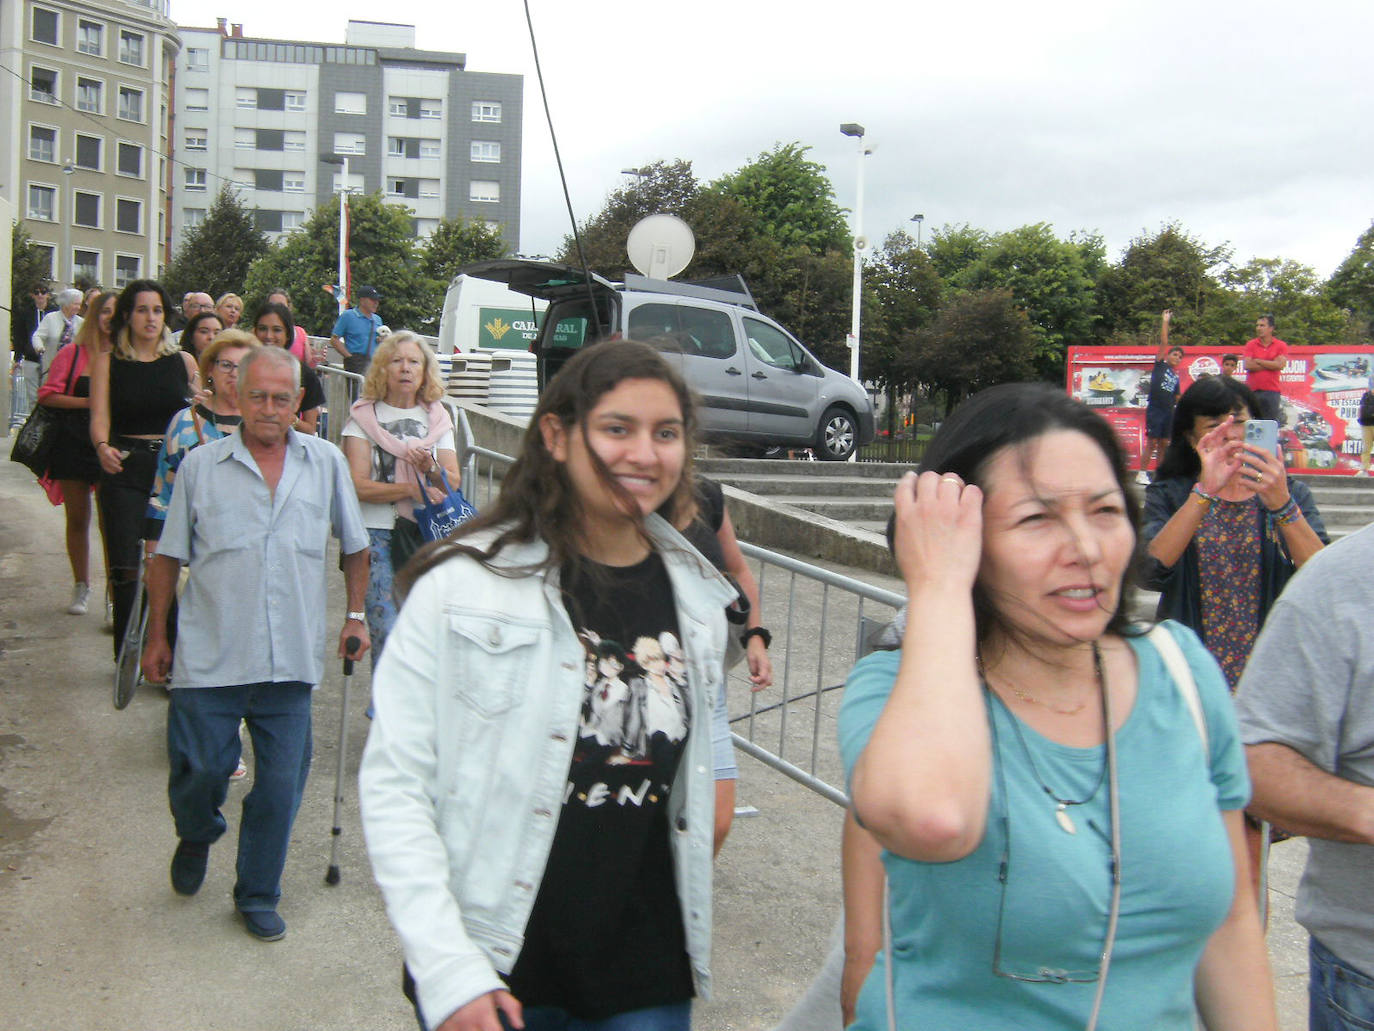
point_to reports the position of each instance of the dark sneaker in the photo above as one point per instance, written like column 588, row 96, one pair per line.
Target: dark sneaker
column 188, row 866
column 264, row 924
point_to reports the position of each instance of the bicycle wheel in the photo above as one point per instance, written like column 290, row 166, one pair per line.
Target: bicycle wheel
column 127, row 671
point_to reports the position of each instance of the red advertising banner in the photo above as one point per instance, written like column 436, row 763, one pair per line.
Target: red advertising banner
column 1321, row 396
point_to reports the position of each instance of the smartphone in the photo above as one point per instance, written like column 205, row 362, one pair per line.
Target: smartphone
column 1264, row 434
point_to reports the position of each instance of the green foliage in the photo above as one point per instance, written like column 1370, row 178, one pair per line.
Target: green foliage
column 1171, row 269
column 902, row 293
column 663, row 187
column 791, row 197
column 457, row 242
column 29, row 265
column 381, row 251
column 215, row 256
column 1052, row 280
column 1289, row 291
column 952, row 249
column 979, row 339
column 1351, row 286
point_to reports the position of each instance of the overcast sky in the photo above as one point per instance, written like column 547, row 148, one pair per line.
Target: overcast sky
column 1250, row 123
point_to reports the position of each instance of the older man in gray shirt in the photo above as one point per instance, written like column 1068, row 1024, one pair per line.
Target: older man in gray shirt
column 252, row 514
column 1306, row 705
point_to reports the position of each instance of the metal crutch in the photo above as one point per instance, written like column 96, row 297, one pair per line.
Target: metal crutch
column 331, row 875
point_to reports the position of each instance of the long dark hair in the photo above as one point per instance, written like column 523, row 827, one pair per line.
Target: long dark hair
column 282, row 312
column 1206, row 399
column 1009, row 416
column 124, row 309
column 537, row 499
column 188, row 334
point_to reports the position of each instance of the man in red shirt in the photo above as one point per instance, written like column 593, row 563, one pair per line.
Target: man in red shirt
column 1265, row 357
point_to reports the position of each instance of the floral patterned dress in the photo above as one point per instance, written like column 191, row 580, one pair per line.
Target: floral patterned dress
column 1228, row 543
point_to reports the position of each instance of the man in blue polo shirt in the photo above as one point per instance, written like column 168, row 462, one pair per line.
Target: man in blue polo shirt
column 355, row 333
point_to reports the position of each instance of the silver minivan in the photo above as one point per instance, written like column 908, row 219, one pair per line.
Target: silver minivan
column 759, row 387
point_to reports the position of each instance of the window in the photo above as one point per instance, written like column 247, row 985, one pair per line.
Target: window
column 131, row 160
column 128, row 216
column 246, row 98
column 46, row 253
column 398, row 106
column 90, row 37
column 350, row 143
column 245, row 139
column 131, row 47
column 484, row 191
column 126, row 270
column 45, row 28
column 43, row 203
column 431, row 109
column 769, row 344
column 396, row 187
column 429, row 148
column 293, row 139
column 267, row 221
column 270, row 139
column 355, row 182
column 42, row 143
column 197, row 99
column 424, row 227
column 429, row 189
column 267, row 179
column 350, row 103
column 197, row 139
column 486, row 111
column 292, row 220
column 195, row 179
column 43, row 85
column 293, row 182
column 89, row 151
column 485, row 150
column 396, row 147
column 295, row 100
column 86, row 265
column 197, row 59
column 192, row 217
column 87, row 210
column 130, row 104
column 90, row 95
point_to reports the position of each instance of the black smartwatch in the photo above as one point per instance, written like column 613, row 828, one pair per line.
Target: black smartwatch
column 756, row 631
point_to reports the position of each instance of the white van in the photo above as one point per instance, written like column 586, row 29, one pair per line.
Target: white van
column 479, row 313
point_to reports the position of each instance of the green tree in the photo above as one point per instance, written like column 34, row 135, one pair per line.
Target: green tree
column 1291, row 292
column 1351, row 286
column 215, row 256
column 902, row 293
column 792, row 198
column 381, row 251
column 29, row 264
column 456, row 242
column 664, row 187
column 952, row 249
column 1052, row 280
column 980, row 338
column 1171, row 269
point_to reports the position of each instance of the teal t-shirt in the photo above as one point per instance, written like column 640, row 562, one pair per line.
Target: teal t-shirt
column 1177, row 872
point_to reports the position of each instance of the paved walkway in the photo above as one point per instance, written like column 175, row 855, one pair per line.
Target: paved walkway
column 94, row 936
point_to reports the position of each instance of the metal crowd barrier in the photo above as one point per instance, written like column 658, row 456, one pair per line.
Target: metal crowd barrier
column 822, row 621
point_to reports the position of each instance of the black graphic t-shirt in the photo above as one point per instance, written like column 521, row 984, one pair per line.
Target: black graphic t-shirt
column 605, row 935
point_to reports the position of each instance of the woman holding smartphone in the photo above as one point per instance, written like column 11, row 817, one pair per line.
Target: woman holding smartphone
column 1225, row 526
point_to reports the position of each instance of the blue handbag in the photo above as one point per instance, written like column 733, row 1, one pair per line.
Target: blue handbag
column 438, row 519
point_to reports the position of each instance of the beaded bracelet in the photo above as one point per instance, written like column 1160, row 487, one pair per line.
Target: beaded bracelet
column 1203, row 498
column 1289, row 513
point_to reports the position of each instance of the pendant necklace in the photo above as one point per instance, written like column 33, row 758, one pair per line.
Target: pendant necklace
column 1063, row 805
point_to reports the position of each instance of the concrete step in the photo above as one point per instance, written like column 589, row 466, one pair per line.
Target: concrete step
column 719, row 467
column 789, row 485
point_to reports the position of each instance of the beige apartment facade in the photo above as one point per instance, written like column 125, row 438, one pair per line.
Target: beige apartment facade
column 87, row 116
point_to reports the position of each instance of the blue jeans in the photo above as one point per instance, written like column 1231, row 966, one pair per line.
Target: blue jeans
column 202, row 751
column 676, row 1016
column 1340, row 998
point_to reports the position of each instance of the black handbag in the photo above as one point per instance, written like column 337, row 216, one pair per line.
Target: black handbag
column 35, row 441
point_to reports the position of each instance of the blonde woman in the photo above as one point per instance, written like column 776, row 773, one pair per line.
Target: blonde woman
column 229, row 308
column 398, row 435
column 136, row 388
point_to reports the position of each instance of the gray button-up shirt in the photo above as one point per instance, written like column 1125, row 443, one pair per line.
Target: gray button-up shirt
column 254, row 607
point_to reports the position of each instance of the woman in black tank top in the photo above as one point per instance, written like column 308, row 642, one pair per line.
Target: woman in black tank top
column 135, row 390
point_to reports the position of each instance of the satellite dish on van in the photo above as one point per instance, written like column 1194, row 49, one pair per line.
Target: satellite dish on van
column 660, row 246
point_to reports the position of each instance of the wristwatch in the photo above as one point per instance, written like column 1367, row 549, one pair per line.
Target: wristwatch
column 756, row 631
column 360, row 617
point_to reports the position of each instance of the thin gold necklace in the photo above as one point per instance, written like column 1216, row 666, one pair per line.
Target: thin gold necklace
column 1032, row 700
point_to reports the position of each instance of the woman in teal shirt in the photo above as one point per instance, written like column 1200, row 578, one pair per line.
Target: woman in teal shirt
column 1025, row 743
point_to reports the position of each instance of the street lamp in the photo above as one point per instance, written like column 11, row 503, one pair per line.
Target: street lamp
column 68, row 170
column 639, row 173
column 918, row 219
column 857, row 131
column 341, row 159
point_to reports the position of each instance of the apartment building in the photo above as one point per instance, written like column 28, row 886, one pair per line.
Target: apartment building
column 87, row 117
column 281, row 120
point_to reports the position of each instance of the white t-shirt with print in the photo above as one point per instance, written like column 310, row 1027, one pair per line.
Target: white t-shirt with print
column 402, row 423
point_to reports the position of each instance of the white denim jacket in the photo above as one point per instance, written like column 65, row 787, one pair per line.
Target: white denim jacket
column 478, row 699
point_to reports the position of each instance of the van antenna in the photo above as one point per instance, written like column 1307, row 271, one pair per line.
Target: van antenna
column 558, row 159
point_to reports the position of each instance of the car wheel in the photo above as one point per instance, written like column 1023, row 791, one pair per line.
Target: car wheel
column 838, row 436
